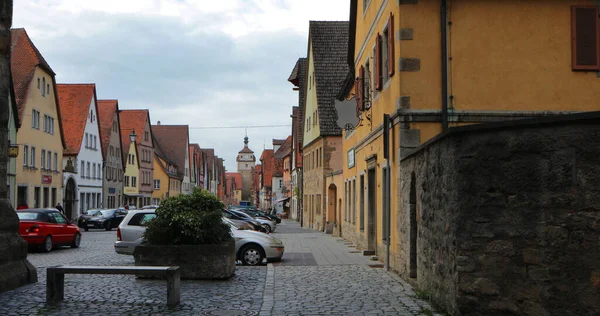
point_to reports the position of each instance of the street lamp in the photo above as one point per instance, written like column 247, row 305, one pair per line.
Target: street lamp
column 132, row 136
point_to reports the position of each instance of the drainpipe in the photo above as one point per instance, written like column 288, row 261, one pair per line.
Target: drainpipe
column 444, row 37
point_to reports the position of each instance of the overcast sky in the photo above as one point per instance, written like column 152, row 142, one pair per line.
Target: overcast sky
column 203, row 63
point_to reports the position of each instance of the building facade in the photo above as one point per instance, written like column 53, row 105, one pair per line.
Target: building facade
column 83, row 158
column 13, row 126
column 110, row 137
column 173, row 143
column 136, row 123
column 39, row 182
column 322, row 143
column 298, row 79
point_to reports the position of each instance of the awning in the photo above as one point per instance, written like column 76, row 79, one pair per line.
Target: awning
column 133, row 195
column 281, row 200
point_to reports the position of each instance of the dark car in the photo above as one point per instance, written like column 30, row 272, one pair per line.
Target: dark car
column 254, row 224
column 259, row 213
column 83, row 218
column 106, row 219
column 47, row 229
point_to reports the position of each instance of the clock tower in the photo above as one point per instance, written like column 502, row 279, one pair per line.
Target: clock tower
column 245, row 164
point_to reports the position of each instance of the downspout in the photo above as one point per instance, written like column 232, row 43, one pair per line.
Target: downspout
column 444, row 42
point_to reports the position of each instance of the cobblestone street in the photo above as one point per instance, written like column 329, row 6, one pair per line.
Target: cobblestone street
column 319, row 275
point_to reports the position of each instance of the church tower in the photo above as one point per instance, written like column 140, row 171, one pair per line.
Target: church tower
column 245, row 164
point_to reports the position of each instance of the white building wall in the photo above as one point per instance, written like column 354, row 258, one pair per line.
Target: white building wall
column 186, row 186
column 88, row 181
column 276, row 186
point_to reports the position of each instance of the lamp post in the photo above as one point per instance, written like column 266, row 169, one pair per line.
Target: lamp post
column 132, row 136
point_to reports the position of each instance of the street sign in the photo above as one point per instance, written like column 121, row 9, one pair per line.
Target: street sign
column 46, row 179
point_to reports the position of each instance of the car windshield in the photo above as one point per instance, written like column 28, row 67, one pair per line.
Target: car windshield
column 242, row 214
column 92, row 212
column 107, row 212
column 27, row 216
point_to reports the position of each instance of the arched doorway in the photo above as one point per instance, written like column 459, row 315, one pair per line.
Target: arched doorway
column 70, row 198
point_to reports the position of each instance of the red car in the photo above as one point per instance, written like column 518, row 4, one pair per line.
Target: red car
column 47, row 228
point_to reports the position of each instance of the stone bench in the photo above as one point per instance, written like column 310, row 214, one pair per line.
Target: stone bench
column 55, row 279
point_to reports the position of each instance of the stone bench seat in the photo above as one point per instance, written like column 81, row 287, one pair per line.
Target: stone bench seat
column 55, row 278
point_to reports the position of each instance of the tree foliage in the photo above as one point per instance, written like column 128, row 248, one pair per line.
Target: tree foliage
column 194, row 219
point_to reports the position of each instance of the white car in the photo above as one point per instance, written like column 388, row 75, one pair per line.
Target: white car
column 251, row 247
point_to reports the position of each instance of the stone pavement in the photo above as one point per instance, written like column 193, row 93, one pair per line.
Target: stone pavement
column 319, row 275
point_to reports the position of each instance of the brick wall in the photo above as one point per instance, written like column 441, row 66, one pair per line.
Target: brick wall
column 506, row 218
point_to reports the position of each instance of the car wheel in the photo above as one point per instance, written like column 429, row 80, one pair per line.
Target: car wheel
column 108, row 226
column 267, row 228
column 252, row 255
column 47, row 246
column 76, row 241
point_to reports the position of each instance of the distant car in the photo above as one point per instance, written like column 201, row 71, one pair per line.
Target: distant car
column 269, row 225
column 258, row 213
column 151, row 207
column 47, row 229
column 106, row 219
column 251, row 247
column 256, row 225
column 83, row 218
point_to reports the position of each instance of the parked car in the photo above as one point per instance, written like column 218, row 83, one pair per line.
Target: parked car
column 105, row 219
column 256, row 225
column 251, row 247
column 47, row 229
column 83, row 218
column 153, row 207
column 259, row 213
column 131, row 229
column 269, row 225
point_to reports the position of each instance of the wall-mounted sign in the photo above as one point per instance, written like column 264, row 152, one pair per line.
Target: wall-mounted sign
column 350, row 158
column 13, row 151
column 46, row 179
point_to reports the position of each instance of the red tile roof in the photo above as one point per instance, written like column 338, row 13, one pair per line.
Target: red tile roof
column 172, row 141
column 285, row 149
column 106, row 112
column 132, row 120
column 24, row 58
column 74, row 102
column 246, row 150
column 236, row 177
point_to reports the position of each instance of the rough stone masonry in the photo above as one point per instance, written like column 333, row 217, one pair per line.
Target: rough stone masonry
column 504, row 218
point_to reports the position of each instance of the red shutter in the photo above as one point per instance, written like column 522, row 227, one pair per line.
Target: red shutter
column 378, row 62
column 585, row 38
column 360, row 89
column 390, row 43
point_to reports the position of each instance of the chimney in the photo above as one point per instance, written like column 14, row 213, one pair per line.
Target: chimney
column 158, row 123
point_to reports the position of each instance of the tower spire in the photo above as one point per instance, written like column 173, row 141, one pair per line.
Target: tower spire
column 246, row 139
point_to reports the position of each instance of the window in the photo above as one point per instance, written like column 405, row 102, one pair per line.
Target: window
column 55, row 162
column 585, row 34
column 87, row 140
column 156, row 184
column 134, row 181
column 390, row 46
column 141, row 219
column 38, row 83
column 32, row 160
column 146, row 136
column 43, row 86
column 82, row 171
column 49, row 165
column 95, row 142
column 48, row 89
column 377, row 58
column 43, row 160
column 93, row 171
column 36, row 197
column 365, row 5
column 35, row 119
column 87, row 172
column 25, row 154
column 126, row 181
column 99, row 172
column 384, row 57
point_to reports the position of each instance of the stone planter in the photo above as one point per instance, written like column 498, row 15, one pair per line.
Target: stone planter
column 199, row 262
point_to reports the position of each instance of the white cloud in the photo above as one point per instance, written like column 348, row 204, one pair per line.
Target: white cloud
column 196, row 62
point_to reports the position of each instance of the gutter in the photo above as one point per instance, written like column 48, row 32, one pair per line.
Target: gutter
column 444, row 42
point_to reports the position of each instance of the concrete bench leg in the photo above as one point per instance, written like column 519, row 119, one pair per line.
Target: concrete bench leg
column 173, row 287
column 55, row 286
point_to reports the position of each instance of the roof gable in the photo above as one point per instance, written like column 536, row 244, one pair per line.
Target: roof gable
column 132, row 120
column 329, row 42
column 24, row 58
column 173, row 142
column 74, row 102
column 107, row 109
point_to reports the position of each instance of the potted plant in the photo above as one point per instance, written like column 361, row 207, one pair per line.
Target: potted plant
column 189, row 232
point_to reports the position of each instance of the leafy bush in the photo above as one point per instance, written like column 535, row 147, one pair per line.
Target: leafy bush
column 194, row 219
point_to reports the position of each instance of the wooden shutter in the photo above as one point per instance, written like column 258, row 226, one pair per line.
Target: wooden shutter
column 360, row 89
column 390, row 43
column 378, row 62
column 585, row 38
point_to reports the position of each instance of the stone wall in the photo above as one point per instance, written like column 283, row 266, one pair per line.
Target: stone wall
column 507, row 218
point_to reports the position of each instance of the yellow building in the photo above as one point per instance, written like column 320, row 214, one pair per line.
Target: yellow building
column 131, row 185
column 431, row 65
column 39, row 163
column 166, row 181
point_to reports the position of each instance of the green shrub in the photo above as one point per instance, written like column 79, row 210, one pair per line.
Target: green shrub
column 194, row 219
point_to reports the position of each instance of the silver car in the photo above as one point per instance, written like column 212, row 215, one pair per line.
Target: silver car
column 251, row 247
column 268, row 225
